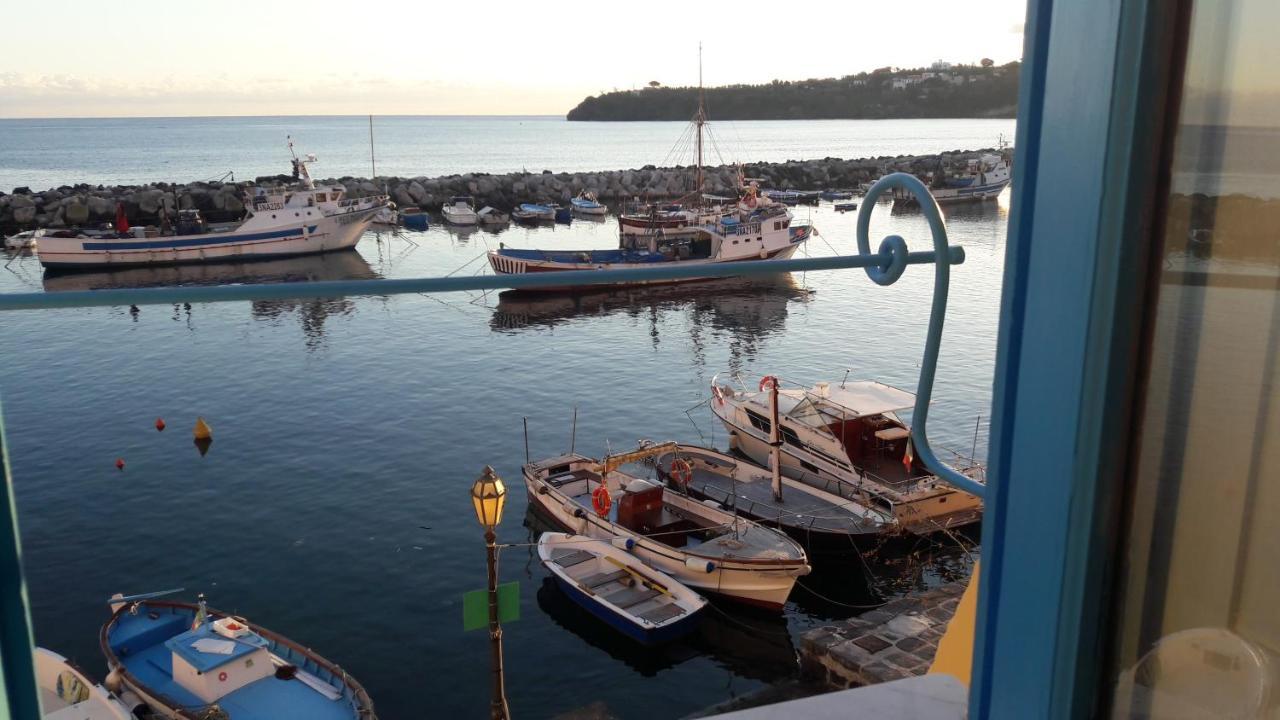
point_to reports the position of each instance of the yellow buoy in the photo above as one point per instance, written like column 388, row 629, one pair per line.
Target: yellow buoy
column 203, row 431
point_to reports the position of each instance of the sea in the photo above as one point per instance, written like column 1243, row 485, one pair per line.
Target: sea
column 333, row 504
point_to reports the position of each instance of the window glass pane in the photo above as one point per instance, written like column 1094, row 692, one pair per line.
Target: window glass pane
column 1199, row 625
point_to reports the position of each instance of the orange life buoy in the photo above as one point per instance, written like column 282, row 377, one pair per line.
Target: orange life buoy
column 767, row 380
column 601, row 501
column 681, row 471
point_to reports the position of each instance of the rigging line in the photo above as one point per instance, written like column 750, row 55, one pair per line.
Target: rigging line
column 824, row 598
column 467, row 263
column 748, row 626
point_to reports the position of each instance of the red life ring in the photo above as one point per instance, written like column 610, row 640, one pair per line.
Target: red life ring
column 681, row 471
column 222, row 676
column 766, row 380
column 601, row 501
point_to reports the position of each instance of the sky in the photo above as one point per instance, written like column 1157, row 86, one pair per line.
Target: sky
column 145, row 58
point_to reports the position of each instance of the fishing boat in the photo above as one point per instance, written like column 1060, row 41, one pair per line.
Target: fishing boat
column 836, row 194
column 648, row 606
column 492, row 216
column 415, row 218
column 460, row 210
column 25, row 240
column 698, row 544
column 190, row 661
column 387, row 215
column 562, row 214
column 983, row 179
column 846, row 206
column 533, row 213
column 821, row 521
column 587, row 204
column 846, row 439
column 296, row 221
column 786, row 197
column 67, row 693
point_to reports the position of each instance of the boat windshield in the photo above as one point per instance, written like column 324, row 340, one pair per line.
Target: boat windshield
column 806, row 411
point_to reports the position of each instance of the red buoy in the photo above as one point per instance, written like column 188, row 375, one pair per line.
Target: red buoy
column 160, row 424
column 119, row 463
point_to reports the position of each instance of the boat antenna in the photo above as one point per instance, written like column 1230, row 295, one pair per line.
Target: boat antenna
column 373, row 165
column 973, row 453
column 700, row 119
column 846, row 377
column 526, row 439
column 775, row 439
column 573, row 435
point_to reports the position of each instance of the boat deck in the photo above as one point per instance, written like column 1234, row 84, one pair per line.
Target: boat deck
column 797, row 509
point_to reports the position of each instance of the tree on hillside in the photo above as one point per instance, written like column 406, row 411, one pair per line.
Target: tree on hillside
column 988, row 62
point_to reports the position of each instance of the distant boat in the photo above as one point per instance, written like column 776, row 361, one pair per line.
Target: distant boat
column 460, row 210
column 587, row 204
column 984, row 178
column 66, row 693
column 562, row 214
column 492, row 216
column 836, row 194
column 700, row 545
column 295, row 221
column 185, row 659
column 415, row 218
column 648, row 606
column 533, row 212
column 846, row 207
column 23, row 240
column 387, row 215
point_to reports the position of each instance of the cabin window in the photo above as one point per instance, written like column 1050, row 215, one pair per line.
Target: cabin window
column 758, row 421
column 789, row 436
column 777, row 225
column 321, row 197
column 809, row 466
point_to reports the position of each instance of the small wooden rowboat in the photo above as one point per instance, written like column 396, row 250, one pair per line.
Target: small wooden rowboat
column 646, row 605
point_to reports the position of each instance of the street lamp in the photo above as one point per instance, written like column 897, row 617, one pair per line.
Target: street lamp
column 488, row 495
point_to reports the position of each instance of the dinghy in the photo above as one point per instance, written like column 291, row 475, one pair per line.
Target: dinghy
column 66, row 693
column 190, row 661
column 492, row 216
column 615, row 586
column 698, row 544
column 587, row 204
column 415, row 218
column 533, row 212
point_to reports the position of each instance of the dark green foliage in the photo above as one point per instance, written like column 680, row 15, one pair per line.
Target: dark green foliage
column 988, row 92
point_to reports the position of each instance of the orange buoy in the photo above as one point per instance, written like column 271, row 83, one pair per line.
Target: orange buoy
column 202, row 430
column 681, row 471
column 119, row 463
column 160, row 424
column 601, row 501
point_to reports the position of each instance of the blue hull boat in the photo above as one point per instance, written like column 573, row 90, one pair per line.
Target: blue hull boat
column 837, row 194
column 185, row 660
column 414, row 218
column 642, row 603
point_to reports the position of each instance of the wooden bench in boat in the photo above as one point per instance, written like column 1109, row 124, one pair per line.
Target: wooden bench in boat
column 602, row 579
column 569, row 558
column 662, row 613
column 632, row 596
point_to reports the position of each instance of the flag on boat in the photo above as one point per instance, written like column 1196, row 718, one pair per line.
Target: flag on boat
column 122, row 220
column 908, row 457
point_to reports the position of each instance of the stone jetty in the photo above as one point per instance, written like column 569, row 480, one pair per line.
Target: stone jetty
column 80, row 205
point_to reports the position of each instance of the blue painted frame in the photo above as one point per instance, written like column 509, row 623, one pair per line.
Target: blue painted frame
column 1092, row 147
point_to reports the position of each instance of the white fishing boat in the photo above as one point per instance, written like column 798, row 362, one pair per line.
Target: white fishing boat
column 295, row 221
column 388, row 215
column 846, row 439
column 66, row 693
column 460, row 210
column 492, row 216
column 644, row 604
column 587, row 204
column 25, row 240
column 984, row 178
column 699, row 544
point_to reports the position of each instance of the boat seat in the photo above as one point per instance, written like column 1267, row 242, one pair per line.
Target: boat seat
column 595, row 581
column 632, row 596
column 662, row 613
column 569, row 558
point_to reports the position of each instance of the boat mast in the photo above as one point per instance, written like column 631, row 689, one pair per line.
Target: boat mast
column 373, row 165
column 700, row 119
column 775, row 441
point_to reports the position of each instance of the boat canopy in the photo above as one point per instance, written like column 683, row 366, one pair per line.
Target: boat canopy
column 851, row 399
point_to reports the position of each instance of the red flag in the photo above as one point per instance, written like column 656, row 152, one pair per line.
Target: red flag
column 908, row 457
column 122, row 220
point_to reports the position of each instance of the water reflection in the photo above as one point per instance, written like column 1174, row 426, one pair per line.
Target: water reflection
column 312, row 314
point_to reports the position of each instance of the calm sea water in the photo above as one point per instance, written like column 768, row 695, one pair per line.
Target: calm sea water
column 47, row 153
column 333, row 505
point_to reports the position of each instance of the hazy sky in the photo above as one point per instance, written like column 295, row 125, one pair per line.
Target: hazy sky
column 149, row 58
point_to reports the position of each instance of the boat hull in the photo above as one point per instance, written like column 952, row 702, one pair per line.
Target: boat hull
column 321, row 235
column 656, row 636
column 459, row 217
column 761, row 586
column 506, row 265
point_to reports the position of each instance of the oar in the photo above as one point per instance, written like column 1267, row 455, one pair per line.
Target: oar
column 651, row 583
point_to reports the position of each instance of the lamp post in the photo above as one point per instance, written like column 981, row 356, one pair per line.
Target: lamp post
column 488, row 495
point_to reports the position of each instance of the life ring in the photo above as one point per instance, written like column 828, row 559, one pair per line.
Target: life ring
column 222, row 676
column 681, row 471
column 767, row 380
column 601, row 501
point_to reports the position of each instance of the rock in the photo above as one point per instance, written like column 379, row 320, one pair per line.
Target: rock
column 75, row 213
column 417, row 192
column 100, row 207
column 149, row 201
column 24, row 214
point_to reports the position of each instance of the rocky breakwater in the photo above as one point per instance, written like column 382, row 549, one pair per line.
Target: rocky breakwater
column 83, row 205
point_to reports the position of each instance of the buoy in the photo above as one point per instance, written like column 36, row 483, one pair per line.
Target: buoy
column 119, row 463
column 160, row 424
column 203, row 431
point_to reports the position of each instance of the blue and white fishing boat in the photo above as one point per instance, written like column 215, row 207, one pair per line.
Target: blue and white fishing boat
column 190, row 661
column 296, row 221
column 983, row 179
column 587, row 204
column 836, row 194
column 533, row 212
column 646, row 605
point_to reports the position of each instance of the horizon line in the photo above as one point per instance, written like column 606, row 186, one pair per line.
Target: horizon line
column 301, row 115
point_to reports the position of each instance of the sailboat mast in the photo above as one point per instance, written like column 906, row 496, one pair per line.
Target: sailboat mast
column 700, row 119
column 775, row 439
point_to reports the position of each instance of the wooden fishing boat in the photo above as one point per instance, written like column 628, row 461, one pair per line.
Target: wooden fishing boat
column 415, row 218
column 821, row 521
column 648, row 606
column 587, row 204
column 184, row 660
column 533, row 213
column 846, row 206
column 698, row 544
column 67, row 693
column 846, row 439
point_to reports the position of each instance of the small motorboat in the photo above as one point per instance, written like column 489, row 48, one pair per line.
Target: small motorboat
column 492, row 216
column 697, row 543
column 836, row 194
column 533, row 212
column 562, row 214
column 846, row 207
column 646, row 605
column 460, row 210
column 23, row 240
column 190, row 661
column 587, row 204
column 66, row 693
column 415, row 218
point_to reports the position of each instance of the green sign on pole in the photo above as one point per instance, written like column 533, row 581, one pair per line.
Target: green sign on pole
column 475, row 606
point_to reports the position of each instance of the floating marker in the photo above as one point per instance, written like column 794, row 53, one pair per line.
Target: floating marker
column 119, row 463
column 160, row 424
column 202, row 431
